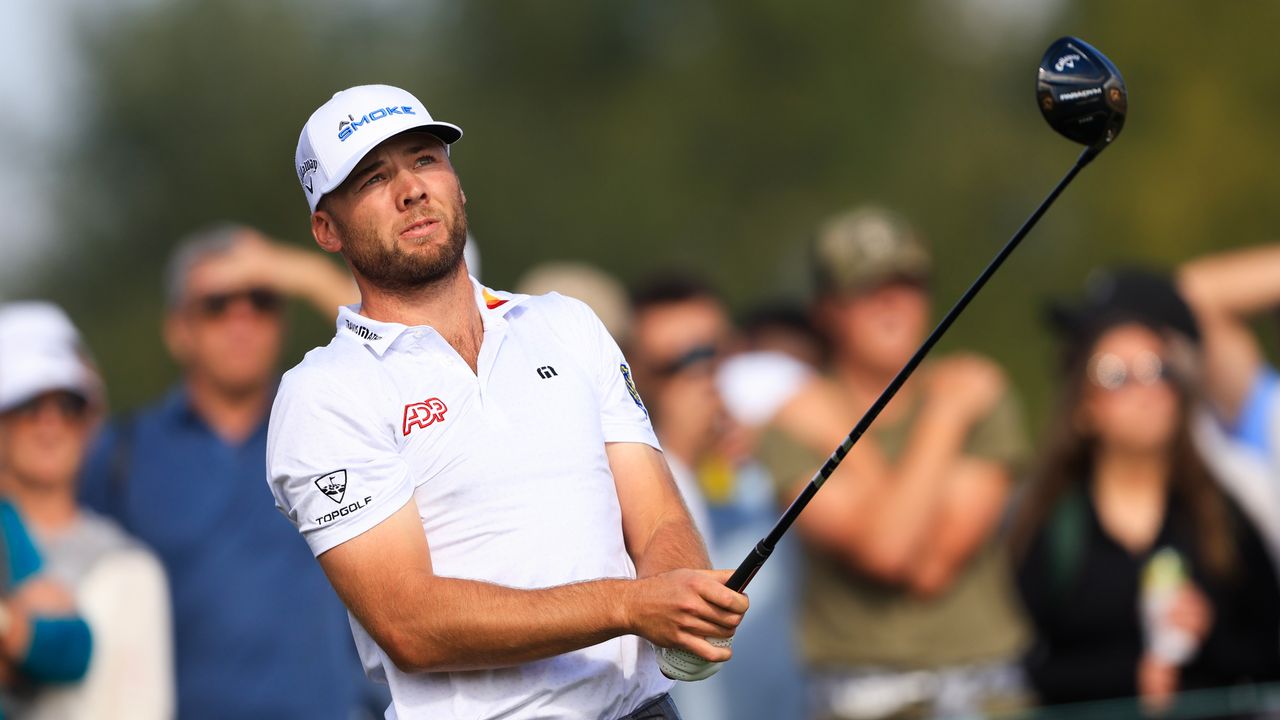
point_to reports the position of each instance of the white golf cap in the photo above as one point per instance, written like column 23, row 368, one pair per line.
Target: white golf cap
column 40, row 352
column 354, row 121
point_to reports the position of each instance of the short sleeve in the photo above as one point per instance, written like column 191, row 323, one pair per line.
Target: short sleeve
column 1253, row 427
column 623, row 416
column 21, row 557
column 787, row 460
column 333, row 465
column 1001, row 436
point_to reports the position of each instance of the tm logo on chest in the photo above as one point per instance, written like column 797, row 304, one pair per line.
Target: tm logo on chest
column 422, row 414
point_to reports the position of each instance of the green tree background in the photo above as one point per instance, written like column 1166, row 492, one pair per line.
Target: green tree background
column 705, row 134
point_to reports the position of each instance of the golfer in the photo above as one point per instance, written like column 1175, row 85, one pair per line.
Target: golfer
column 475, row 470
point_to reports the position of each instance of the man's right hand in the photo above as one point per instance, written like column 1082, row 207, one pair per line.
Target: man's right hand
column 965, row 385
column 682, row 608
column 44, row 596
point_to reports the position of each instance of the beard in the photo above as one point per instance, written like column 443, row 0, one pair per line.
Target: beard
column 392, row 269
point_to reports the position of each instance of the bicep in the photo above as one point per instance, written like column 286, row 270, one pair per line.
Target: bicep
column 1232, row 361
column 647, row 494
column 371, row 569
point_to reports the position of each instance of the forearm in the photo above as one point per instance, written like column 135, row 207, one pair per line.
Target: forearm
column 904, row 511
column 658, row 531
column 973, row 502
column 323, row 285
column 1240, row 283
column 447, row 624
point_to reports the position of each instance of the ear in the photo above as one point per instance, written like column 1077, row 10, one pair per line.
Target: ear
column 177, row 336
column 463, row 193
column 325, row 231
column 824, row 314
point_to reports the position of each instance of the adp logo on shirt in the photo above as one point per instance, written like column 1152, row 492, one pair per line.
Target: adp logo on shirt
column 422, row 414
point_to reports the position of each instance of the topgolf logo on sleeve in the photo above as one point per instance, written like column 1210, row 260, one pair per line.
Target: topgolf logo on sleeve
column 333, row 485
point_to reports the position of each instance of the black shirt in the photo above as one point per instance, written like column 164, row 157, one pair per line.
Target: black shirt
column 1082, row 591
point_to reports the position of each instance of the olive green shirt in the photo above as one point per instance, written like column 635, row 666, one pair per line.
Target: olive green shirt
column 850, row 619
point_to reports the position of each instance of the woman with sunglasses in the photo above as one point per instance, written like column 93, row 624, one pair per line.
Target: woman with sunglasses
column 1140, row 576
column 116, row 661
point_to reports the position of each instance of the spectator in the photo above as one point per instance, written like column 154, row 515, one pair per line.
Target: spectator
column 784, row 327
column 1141, row 576
column 1240, row 437
column 680, row 334
column 598, row 289
column 781, row 352
column 905, row 606
column 43, row 641
column 52, row 402
column 258, row 630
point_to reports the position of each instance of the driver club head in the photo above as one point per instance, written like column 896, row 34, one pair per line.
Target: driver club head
column 1081, row 94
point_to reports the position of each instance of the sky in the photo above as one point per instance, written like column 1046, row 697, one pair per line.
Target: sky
column 38, row 85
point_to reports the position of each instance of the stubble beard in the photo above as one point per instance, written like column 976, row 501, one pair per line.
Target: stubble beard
column 390, row 269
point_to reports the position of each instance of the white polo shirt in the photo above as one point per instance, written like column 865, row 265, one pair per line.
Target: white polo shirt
column 506, row 465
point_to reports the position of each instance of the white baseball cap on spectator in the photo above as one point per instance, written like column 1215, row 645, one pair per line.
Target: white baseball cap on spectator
column 40, row 352
column 354, row 121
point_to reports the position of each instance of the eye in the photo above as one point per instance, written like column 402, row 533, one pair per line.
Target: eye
column 426, row 160
column 374, row 178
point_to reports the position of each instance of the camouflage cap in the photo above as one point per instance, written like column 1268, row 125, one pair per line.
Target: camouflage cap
column 865, row 247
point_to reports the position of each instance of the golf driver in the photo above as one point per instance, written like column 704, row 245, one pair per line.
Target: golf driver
column 1083, row 97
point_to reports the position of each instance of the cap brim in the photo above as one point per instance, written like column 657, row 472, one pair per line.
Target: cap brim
column 447, row 132
column 28, row 380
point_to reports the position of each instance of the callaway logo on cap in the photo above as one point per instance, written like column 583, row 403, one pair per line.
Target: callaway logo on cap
column 354, row 121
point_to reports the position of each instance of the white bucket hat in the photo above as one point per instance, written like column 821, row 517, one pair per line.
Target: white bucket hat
column 40, row 352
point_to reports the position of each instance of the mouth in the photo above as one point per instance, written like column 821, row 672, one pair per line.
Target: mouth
column 419, row 229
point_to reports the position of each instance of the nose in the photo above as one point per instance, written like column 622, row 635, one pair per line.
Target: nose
column 410, row 189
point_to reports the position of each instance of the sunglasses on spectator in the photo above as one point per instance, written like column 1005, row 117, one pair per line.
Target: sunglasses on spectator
column 70, row 406
column 693, row 357
column 1111, row 372
column 262, row 300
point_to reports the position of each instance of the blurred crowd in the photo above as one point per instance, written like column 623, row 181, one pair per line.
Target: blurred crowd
column 954, row 565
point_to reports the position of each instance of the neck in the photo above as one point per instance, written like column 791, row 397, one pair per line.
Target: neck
column 1130, row 471
column 864, row 385
column 234, row 416
column 447, row 305
column 48, row 507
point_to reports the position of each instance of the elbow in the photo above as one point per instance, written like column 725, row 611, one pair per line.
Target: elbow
column 409, row 654
column 1195, row 289
column 886, row 562
column 931, row 580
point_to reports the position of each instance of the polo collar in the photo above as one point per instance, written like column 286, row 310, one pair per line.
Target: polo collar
column 378, row 336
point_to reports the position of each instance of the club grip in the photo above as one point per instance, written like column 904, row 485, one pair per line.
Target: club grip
column 749, row 567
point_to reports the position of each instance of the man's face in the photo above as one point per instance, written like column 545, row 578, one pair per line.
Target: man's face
column 675, row 349
column 399, row 218
column 881, row 327
column 227, row 332
column 44, row 441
